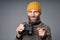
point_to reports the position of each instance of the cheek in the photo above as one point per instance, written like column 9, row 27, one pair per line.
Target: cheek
column 37, row 14
column 29, row 14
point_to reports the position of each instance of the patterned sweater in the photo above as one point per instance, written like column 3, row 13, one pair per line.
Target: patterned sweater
column 36, row 36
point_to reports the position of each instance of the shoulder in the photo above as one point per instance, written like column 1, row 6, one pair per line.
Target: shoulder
column 45, row 26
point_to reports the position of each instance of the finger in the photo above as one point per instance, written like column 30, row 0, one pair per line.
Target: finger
column 38, row 28
column 19, row 30
column 21, row 25
column 41, row 29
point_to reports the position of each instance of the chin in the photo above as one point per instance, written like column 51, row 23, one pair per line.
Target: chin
column 33, row 20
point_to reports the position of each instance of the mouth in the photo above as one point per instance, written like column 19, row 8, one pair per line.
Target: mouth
column 33, row 18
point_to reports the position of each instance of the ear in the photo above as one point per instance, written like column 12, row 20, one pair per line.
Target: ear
column 40, row 13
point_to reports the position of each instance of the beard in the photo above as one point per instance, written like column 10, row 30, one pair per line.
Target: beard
column 34, row 21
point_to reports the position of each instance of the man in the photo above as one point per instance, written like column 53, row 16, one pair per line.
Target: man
column 40, row 30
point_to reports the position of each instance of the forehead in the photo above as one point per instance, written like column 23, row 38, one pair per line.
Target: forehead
column 33, row 10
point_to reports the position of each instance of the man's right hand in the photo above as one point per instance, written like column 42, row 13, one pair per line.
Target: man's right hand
column 20, row 28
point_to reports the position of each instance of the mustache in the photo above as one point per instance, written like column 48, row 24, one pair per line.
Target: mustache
column 33, row 17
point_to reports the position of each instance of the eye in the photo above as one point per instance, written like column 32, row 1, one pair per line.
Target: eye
column 29, row 11
column 36, row 12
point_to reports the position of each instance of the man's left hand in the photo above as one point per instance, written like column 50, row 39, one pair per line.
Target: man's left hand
column 41, row 32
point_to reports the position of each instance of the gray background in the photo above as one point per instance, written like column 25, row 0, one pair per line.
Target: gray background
column 13, row 12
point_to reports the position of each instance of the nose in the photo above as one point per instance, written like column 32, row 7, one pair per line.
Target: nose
column 33, row 14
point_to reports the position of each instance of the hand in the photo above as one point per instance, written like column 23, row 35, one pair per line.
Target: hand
column 41, row 32
column 20, row 28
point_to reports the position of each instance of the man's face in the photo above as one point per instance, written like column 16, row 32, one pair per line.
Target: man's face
column 33, row 15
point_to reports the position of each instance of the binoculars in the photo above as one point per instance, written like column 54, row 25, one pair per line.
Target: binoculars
column 28, row 30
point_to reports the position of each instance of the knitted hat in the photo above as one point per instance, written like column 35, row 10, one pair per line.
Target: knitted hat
column 35, row 6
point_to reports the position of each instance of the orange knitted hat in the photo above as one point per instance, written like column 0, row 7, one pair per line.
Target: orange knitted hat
column 35, row 6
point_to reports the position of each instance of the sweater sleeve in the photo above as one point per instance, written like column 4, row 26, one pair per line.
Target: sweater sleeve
column 48, row 33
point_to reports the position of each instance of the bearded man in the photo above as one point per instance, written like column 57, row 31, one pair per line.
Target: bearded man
column 40, row 30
